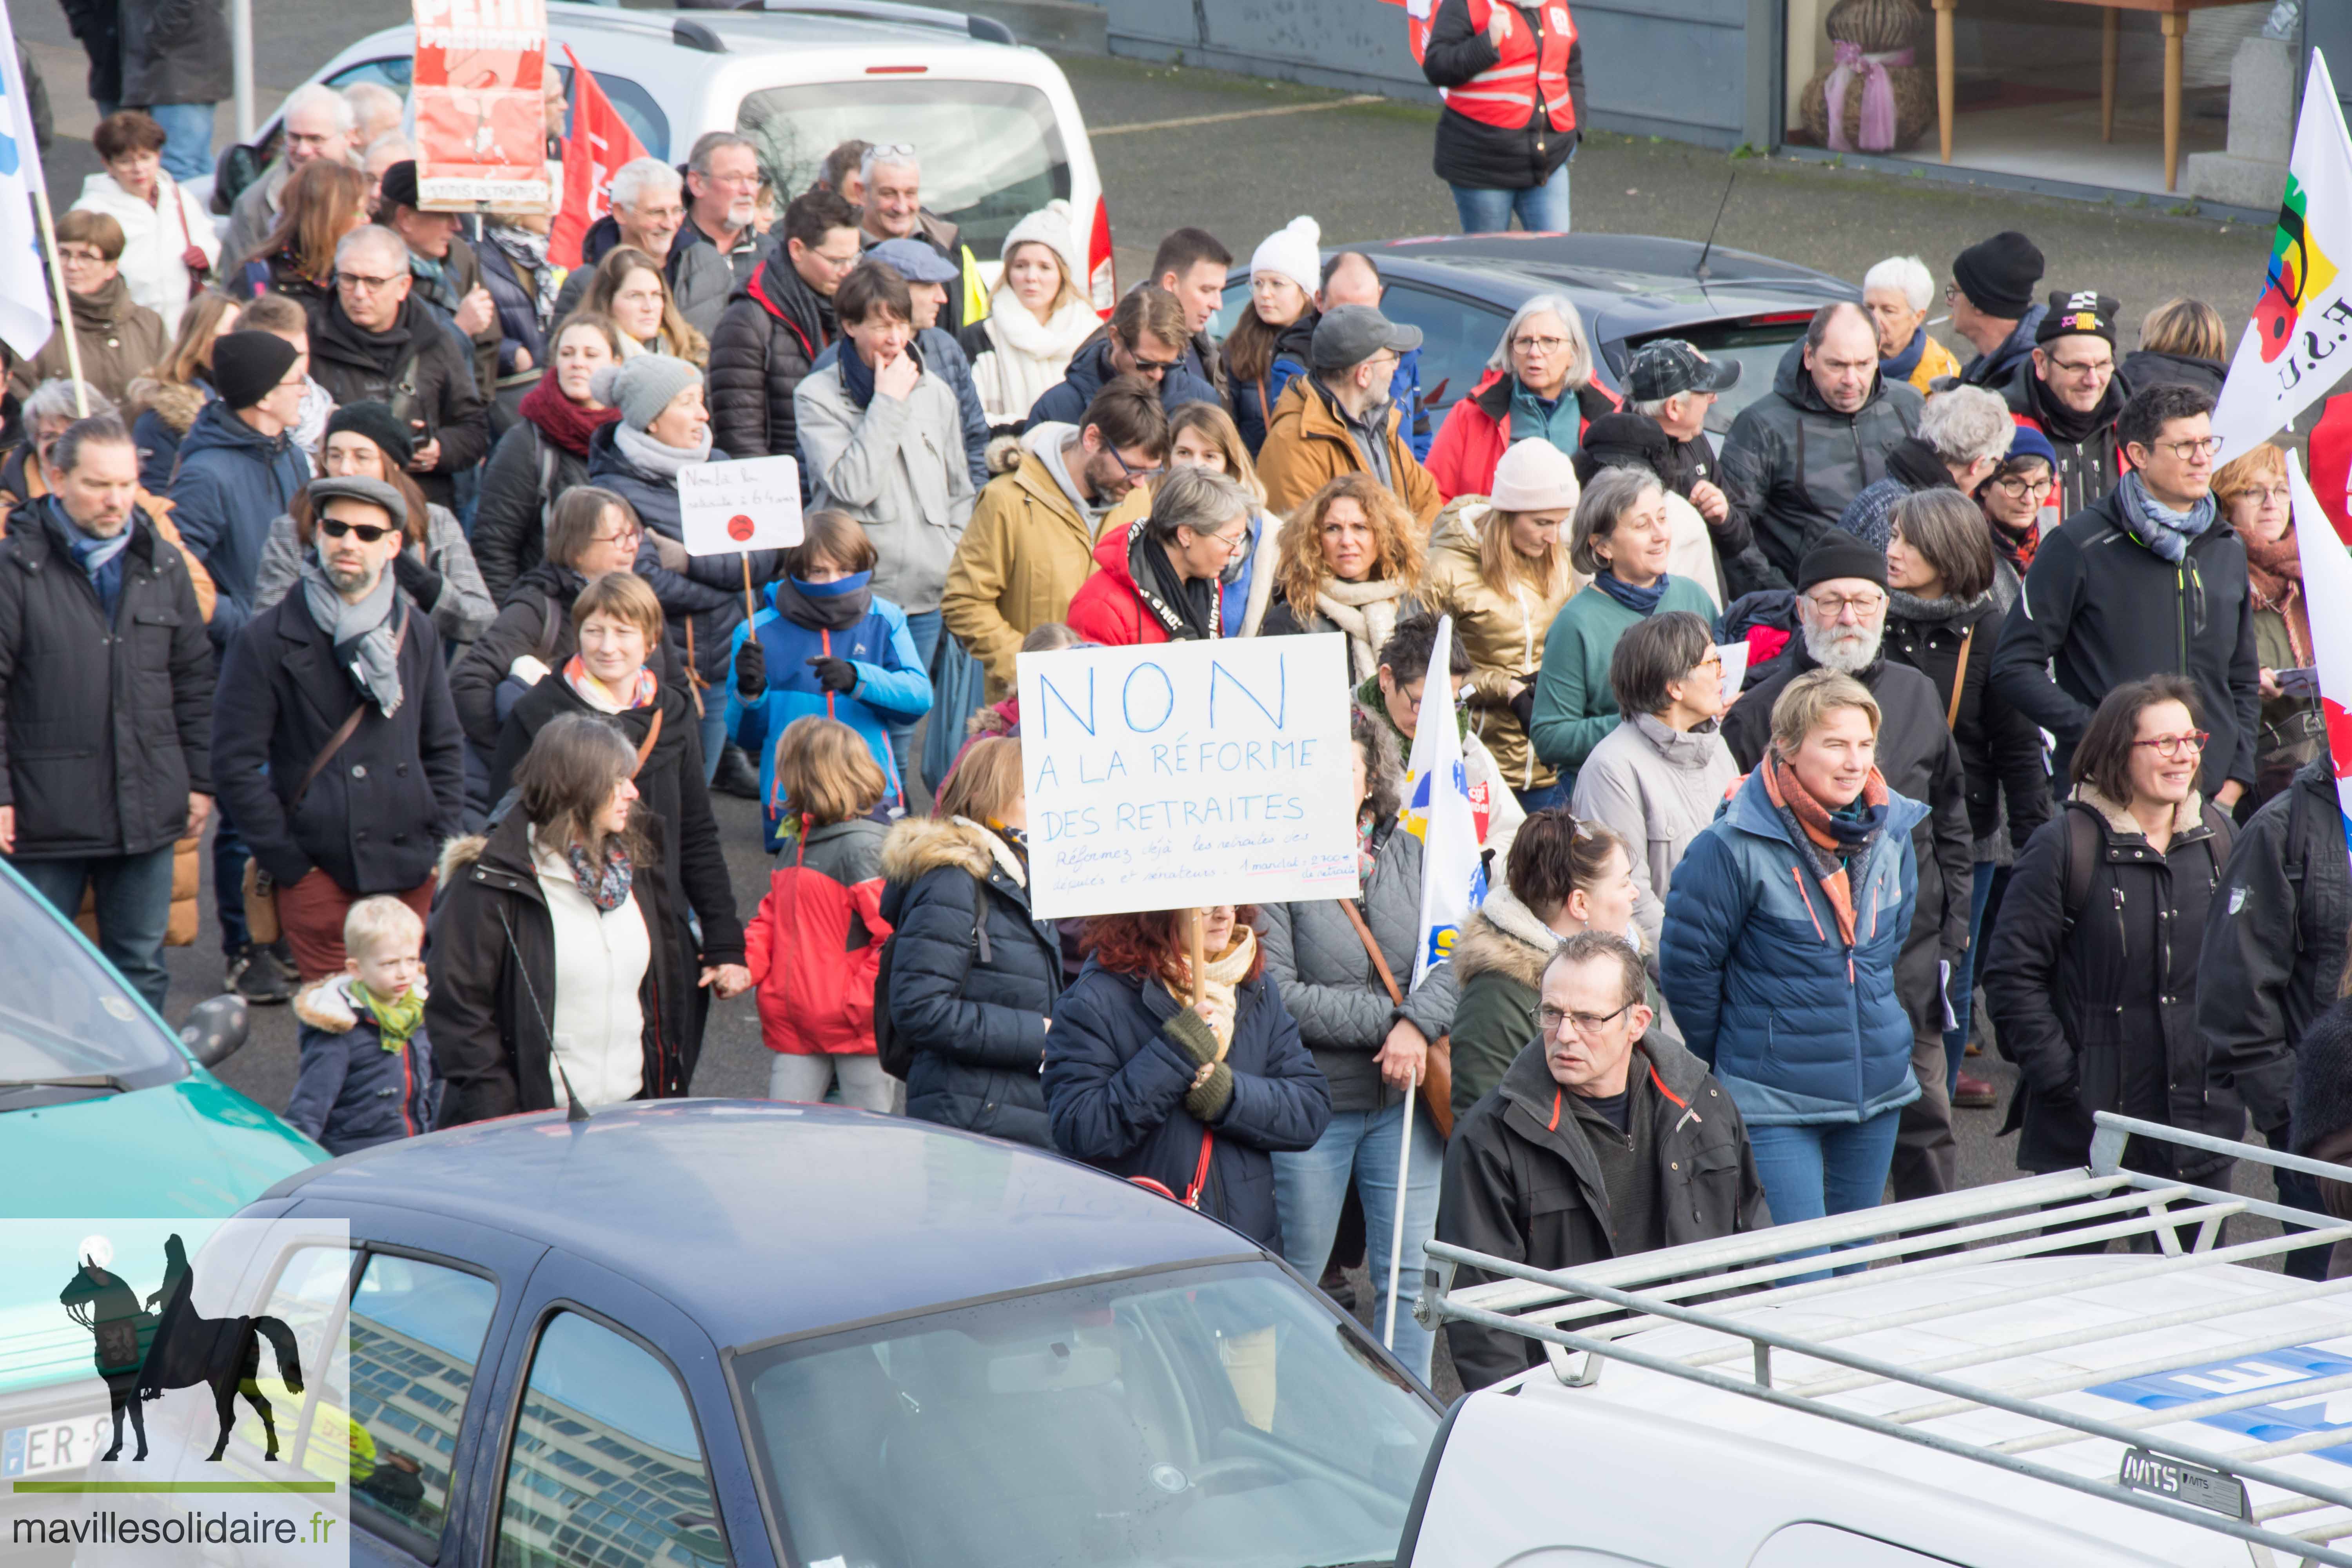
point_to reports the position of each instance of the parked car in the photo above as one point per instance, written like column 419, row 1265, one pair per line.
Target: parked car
column 1460, row 290
column 995, row 124
column 758, row 1333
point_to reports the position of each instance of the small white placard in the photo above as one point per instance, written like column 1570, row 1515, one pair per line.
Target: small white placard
column 1735, row 665
column 754, row 504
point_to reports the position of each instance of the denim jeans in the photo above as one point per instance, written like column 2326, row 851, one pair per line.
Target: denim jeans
column 924, row 631
column 1310, row 1188
column 1824, row 1168
column 135, row 906
column 1540, row 208
column 230, row 856
column 1961, row 993
column 714, row 731
column 187, row 138
column 1556, row 792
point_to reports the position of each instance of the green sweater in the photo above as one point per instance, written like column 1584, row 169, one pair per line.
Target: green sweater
column 1575, row 707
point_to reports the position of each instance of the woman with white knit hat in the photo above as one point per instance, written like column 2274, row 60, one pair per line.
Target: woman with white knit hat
column 1268, row 344
column 1035, row 320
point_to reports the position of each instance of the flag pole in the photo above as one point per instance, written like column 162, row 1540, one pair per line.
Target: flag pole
column 750, row 614
column 65, row 305
column 1192, row 945
column 1396, row 1234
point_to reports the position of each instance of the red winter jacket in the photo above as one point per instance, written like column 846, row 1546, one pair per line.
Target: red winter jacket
column 815, row 988
column 1471, row 441
column 1107, row 609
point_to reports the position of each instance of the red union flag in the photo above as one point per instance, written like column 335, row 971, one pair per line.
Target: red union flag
column 600, row 143
column 481, row 133
column 2327, row 586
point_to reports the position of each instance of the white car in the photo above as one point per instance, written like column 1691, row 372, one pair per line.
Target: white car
column 1975, row 1398
column 994, row 122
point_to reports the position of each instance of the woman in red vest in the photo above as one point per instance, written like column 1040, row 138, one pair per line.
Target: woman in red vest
column 1513, row 81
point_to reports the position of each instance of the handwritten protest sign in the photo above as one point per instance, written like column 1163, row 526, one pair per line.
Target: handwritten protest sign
column 475, row 86
column 755, row 504
column 1187, row 773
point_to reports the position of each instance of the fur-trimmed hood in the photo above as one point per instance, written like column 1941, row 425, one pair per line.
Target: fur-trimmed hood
column 2188, row 817
column 455, row 856
column 919, row 844
column 1504, row 934
column 175, row 403
column 329, row 1005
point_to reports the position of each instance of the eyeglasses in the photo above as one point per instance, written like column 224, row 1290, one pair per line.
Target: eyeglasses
column 366, row 284
column 629, row 536
column 81, row 255
column 1130, row 470
column 367, row 532
column 1951, row 293
column 1713, row 658
column 1834, row 606
column 2174, row 745
column 2260, row 493
column 2189, row 451
column 2087, row 369
column 1546, row 346
column 1548, row 1019
column 2017, row 487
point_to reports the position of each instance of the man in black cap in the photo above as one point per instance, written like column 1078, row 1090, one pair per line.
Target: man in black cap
column 448, row 275
column 1841, row 601
column 1675, row 385
column 238, row 469
column 1992, row 301
column 1341, row 419
column 2070, row 393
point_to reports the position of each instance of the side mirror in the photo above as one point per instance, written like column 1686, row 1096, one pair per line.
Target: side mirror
column 216, row 1028
column 239, row 166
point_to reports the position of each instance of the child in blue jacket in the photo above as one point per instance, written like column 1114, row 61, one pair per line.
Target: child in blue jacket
column 826, row 644
column 367, row 1074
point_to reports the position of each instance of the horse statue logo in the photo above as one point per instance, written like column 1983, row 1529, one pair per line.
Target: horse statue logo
column 140, row 1354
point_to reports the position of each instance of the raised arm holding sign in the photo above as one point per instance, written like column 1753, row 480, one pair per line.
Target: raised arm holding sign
column 738, row 507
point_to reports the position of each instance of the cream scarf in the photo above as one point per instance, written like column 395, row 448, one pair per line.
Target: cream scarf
column 1368, row 612
column 1225, row 973
column 1027, row 357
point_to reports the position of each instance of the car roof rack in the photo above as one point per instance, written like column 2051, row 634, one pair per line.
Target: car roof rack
column 1737, row 1276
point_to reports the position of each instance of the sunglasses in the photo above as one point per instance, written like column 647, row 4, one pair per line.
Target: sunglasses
column 368, row 532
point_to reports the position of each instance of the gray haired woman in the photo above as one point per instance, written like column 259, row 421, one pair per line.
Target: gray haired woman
column 1158, row 577
column 1963, row 436
column 1539, row 385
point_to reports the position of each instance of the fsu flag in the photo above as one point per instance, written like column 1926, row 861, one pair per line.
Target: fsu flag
column 1440, row 811
column 2300, row 342
column 480, row 131
column 600, row 143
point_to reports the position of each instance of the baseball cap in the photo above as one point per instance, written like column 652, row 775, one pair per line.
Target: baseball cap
column 1350, row 334
column 1667, row 367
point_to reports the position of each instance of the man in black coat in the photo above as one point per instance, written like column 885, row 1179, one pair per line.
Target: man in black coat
column 2274, row 951
column 445, row 273
column 1670, row 381
column 776, row 325
column 2069, row 390
column 2147, row 579
column 1841, row 621
column 371, row 342
column 106, row 691
column 1600, row 1141
column 335, row 741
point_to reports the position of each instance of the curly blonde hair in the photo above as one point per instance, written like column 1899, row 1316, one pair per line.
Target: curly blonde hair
column 1398, row 554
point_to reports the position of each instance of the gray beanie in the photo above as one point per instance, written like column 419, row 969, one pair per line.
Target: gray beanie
column 642, row 385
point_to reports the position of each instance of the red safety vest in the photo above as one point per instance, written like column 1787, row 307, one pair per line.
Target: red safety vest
column 1532, row 71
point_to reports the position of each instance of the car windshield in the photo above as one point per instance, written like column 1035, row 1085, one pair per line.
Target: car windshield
column 1213, row 1414
column 992, row 151
column 1757, row 347
column 64, row 1013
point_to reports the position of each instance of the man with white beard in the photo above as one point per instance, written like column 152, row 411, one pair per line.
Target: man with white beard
column 1842, row 600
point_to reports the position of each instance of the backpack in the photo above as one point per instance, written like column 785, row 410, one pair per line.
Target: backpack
column 892, row 1050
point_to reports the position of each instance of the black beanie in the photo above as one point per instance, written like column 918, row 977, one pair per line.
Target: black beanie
column 373, row 420
column 2085, row 313
column 247, row 365
column 1999, row 275
column 1838, row 553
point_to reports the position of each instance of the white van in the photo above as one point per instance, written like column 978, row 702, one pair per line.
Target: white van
column 995, row 124
column 1993, row 1407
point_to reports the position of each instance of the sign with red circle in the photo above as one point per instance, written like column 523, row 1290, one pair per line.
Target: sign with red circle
column 740, row 527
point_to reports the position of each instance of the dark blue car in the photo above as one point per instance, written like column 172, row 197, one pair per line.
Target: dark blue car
column 744, row 1333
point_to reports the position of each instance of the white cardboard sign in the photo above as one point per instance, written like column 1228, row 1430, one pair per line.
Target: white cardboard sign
column 751, row 504
column 1188, row 774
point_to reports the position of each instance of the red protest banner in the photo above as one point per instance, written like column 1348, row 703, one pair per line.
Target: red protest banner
column 481, row 134
column 600, row 143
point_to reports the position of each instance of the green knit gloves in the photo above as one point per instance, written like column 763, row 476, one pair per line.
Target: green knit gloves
column 1192, row 1036
column 1207, row 1101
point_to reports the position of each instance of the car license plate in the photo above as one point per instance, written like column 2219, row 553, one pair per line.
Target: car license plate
column 68, row 1443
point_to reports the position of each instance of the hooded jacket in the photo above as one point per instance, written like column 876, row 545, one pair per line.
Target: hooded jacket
column 419, row 366
column 491, row 964
column 2000, row 748
column 704, row 602
column 2100, row 609
column 1022, row 557
column 1995, row 370
column 1792, row 464
column 814, row 944
column 1090, row 368
column 2144, row 368
column 167, row 410
column 1308, row 446
column 2097, row 1005
column 1254, row 400
column 155, row 241
column 1656, row 788
column 231, row 481
column 2087, row 469
column 1245, row 598
column 525, row 474
column 765, row 342
column 1107, row 609
column 1478, row 431
column 974, row 1011
column 1801, row 1028
column 1523, row 1181
column 942, row 352
column 898, row 466
column 536, row 621
column 1499, row 954
column 119, row 339
column 353, row 1091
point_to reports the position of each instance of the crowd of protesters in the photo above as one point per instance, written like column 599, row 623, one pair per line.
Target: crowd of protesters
column 368, row 559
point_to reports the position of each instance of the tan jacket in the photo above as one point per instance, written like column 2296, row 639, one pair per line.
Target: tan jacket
column 1022, row 555
column 1504, row 634
column 119, row 341
column 1306, row 448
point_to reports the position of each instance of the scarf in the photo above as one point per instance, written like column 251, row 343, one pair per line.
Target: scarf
column 355, row 345
column 99, row 559
column 833, row 606
column 605, row 886
column 2017, row 549
column 857, row 376
column 396, row 1018
column 1367, row 612
column 2061, row 423
column 1643, row 602
column 560, row 419
column 1558, row 420
column 1370, row 433
column 659, row 459
column 2166, row 533
column 1914, row 465
column 365, row 643
column 1832, row 840
column 1900, row 367
column 593, row 693
column 1185, row 608
column 1941, row 612
column 2276, row 565
column 435, row 276
column 1027, row 357
column 1221, row 984
column 528, row 252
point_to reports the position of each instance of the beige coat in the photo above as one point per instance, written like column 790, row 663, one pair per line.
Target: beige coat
column 1023, row 554
column 1503, row 632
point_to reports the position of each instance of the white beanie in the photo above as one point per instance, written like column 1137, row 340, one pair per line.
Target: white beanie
column 1534, row 475
column 1049, row 226
column 1290, row 251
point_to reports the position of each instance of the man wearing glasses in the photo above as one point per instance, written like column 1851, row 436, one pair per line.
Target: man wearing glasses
column 1342, row 418
column 1148, row 336
column 2145, row 580
column 722, row 184
column 2069, row 390
column 648, row 212
column 1603, row 1140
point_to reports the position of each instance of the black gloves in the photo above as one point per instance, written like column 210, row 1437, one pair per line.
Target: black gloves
column 750, row 669
column 834, row 674
column 1523, row 708
column 417, row 580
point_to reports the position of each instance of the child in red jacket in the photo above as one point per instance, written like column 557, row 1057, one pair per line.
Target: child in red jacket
column 815, row 942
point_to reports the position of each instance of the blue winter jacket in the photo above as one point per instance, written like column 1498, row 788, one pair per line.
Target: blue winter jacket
column 352, row 1093
column 232, row 483
column 1800, row 1028
column 1115, row 1089
column 892, row 689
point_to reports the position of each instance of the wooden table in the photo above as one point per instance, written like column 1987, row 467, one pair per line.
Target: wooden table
column 2172, row 15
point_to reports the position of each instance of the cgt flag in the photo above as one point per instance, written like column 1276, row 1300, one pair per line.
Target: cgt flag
column 1440, row 811
column 2300, row 342
column 600, row 143
column 2327, row 581
column 27, row 317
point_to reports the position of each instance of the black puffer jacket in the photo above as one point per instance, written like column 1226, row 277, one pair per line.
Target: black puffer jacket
column 2000, row 748
column 2275, row 944
column 2144, row 368
column 1489, row 157
column 2096, row 1002
column 105, row 727
column 525, row 474
column 1792, row 464
column 423, row 369
column 976, row 1019
column 768, row 337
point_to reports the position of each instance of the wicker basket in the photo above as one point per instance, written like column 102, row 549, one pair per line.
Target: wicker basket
column 1875, row 27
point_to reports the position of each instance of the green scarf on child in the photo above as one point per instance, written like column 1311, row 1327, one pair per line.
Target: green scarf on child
column 394, row 1020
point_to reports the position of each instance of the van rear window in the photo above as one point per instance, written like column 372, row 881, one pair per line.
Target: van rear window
column 992, row 151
